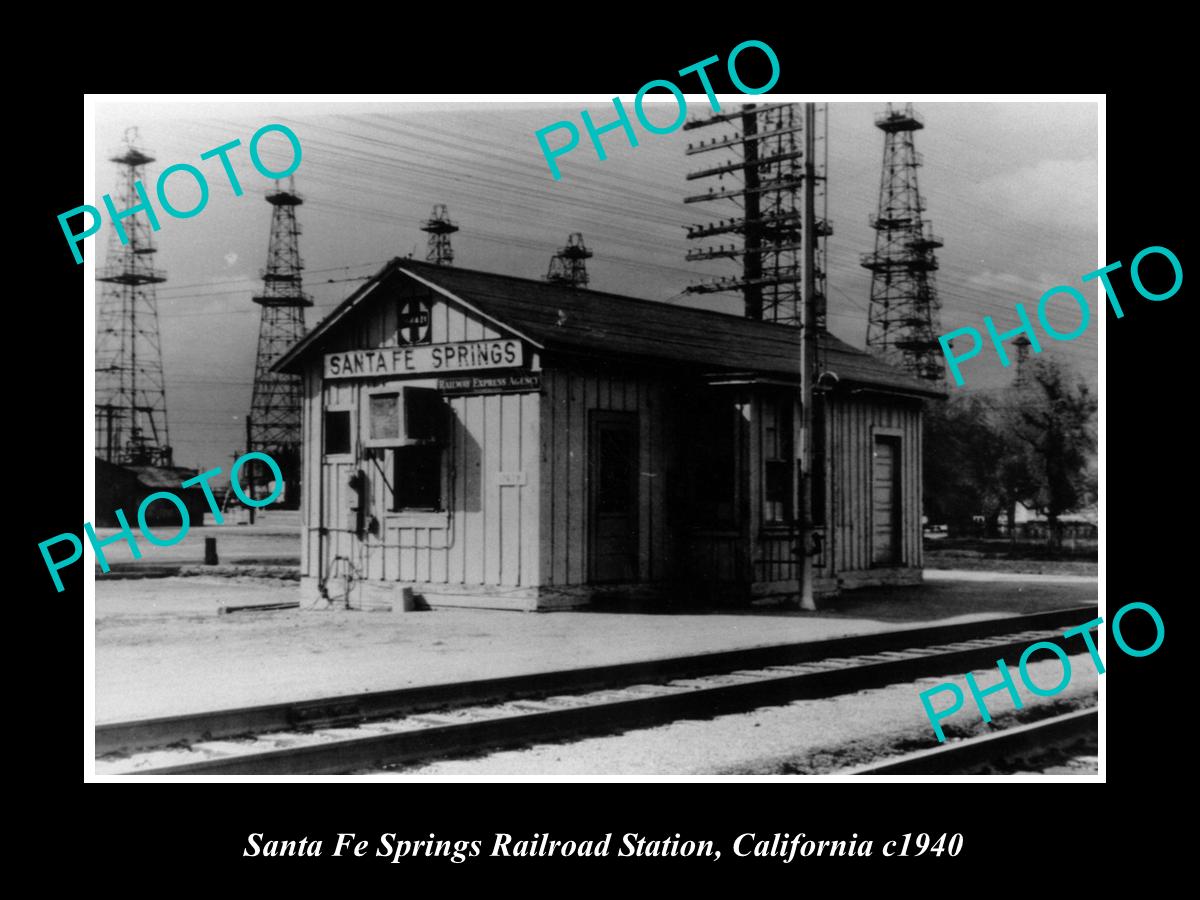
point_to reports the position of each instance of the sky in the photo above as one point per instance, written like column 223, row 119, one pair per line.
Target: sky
column 1010, row 188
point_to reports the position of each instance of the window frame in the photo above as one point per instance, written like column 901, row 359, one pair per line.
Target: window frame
column 396, row 447
column 402, row 440
column 348, row 455
column 383, row 443
column 426, row 446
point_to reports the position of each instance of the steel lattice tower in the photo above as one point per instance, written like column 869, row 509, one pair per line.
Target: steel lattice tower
column 904, row 318
column 439, row 228
column 569, row 264
column 274, row 424
column 767, row 168
column 1022, row 344
column 131, row 402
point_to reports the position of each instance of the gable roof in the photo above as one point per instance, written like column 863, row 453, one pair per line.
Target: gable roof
column 556, row 317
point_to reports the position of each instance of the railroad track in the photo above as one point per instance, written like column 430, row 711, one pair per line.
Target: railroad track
column 370, row 730
column 973, row 753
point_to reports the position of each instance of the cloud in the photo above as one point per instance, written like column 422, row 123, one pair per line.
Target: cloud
column 1019, row 286
column 1054, row 193
column 230, row 258
column 1005, row 282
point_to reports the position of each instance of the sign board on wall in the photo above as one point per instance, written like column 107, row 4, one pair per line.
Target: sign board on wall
column 489, row 384
column 412, row 325
column 425, row 359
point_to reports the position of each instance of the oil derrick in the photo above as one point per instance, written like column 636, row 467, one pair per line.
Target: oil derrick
column 439, row 228
column 1022, row 344
column 904, row 318
column 766, row 174
column 274, row 424
column 569, row 264
column 131, row 403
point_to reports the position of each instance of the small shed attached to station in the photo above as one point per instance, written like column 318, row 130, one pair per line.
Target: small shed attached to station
column 503, row 442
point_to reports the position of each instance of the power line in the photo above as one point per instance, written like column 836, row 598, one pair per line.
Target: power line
column 634, row 211
column 959, row 295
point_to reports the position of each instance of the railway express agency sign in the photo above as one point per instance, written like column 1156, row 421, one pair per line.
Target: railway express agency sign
column 424, row 359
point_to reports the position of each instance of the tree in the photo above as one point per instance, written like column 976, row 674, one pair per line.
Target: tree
column 1032, row 443
column 972, row 466
column 1052, row 414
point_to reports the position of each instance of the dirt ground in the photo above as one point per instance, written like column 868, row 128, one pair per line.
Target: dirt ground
column 161, row 648
column 958, row 561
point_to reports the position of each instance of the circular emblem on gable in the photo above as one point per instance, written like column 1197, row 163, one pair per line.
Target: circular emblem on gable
column 413, row 327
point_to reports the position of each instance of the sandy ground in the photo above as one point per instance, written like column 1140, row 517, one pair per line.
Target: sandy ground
column 1015, row 577
column 274, row 537
column 958, row 560
column 805, row 737
column 163, row 650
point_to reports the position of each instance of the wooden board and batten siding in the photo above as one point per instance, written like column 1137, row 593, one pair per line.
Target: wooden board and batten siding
column 486, row 531
column 874, row 486
column 574, row 471
column 571, row 399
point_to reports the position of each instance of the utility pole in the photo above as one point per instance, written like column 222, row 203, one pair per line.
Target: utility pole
column 767, row 160
column 109, row 450
column 249, row 470
column 234, row 456
column 752, row 262
column 808, row 357
column 783, row 225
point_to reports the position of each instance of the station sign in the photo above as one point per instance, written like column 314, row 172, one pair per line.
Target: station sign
column 425, row 359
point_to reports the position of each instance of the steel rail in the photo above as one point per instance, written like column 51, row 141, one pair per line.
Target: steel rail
column 772, row 683
column 977, row 751
column 140, row 734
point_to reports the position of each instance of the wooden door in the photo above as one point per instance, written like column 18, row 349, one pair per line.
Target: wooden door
column 885, row 501
column 613, row 496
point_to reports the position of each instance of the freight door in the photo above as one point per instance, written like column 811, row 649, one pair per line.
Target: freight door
column 885, row 501
column 613, row 496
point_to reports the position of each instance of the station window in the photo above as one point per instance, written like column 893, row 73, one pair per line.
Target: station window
column 424, row 411
column 417, row 481
column 777, row 459
column 337, row 431
column 384, row 417
column 404, row 416
column 418, row 460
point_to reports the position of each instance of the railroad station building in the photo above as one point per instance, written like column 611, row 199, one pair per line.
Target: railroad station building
column 502, row 442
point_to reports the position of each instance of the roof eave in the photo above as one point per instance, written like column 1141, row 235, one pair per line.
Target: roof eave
column 894, row 390
column 290, row 362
